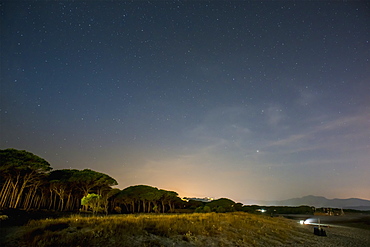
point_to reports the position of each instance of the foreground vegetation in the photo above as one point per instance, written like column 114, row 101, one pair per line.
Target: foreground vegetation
column 199, row 229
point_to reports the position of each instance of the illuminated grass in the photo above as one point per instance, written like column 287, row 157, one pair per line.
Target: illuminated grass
column 228, row 229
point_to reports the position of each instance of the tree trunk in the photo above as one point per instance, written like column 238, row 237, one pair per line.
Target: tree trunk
column 38, row 202
column 68, row 202
column 5, row 192
column 54, row 201
column 26, row 201
column 19, row 195
column 14, row 192
column 171, row 207
column 13, row 196
column 32, row 199
column 26, row 179
column 163, row 206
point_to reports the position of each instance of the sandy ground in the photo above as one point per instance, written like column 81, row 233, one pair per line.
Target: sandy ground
column 336, row 236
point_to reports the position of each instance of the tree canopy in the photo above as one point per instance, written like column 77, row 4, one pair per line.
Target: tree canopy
column 20, row 170
column 88, row 179
column 27, row 181
column 12, row 160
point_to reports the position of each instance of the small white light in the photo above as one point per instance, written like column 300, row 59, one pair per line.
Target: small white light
column 308, row 221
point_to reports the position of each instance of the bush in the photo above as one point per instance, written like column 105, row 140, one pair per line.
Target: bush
column 220, row 209
column 117, row 209
column 3, row 217
column 206, row 209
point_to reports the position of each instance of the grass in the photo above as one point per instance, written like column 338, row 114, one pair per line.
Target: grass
column 212, row 229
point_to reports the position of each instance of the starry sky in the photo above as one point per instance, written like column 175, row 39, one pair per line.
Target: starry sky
column 244, row 100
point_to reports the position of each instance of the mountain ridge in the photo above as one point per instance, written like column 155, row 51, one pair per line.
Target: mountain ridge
column 320, row 201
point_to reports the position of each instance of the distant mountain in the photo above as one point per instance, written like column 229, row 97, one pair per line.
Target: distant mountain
column 320, row 201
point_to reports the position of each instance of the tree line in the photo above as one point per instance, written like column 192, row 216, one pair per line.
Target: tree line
column 28, row 182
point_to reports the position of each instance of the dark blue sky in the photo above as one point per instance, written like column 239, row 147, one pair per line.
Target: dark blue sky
column 245, row 100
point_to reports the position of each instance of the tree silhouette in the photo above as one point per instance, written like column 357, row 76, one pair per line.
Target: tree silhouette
column 27, row 182
column 62, row 184
column 168, row 198
column 19, row 169
column 88, row 179
column 222, row 205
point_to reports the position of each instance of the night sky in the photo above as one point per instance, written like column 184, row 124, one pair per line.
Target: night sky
column 244, row 100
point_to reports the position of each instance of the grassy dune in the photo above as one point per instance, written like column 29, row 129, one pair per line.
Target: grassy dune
column 229, row 229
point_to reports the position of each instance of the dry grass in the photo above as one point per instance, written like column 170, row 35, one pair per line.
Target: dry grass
column 227, row 229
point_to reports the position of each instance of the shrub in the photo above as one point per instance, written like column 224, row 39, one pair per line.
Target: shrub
column 206, row 209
